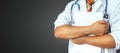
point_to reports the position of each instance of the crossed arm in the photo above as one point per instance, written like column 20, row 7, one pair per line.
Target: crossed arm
column 78, row 34
column 104, row 41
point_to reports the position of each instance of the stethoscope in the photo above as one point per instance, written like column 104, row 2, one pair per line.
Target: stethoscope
column 76, row 4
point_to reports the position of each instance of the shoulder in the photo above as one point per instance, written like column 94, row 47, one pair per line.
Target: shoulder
column 69, row 4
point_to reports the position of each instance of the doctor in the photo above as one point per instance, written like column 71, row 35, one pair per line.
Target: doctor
column 108, row 42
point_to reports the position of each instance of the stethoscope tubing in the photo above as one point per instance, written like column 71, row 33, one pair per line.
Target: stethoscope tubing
column 76, row 3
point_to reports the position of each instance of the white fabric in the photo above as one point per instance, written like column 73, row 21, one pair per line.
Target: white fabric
column 99, row 6
column 84, row 19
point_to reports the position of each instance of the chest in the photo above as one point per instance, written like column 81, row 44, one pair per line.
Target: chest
column 86, row 18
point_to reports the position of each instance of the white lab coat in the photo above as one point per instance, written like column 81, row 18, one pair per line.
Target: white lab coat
column 99, row 6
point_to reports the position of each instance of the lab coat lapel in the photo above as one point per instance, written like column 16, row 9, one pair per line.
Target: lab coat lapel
column 97, row 6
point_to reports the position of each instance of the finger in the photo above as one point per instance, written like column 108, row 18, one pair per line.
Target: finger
column 102, row 21
column 106, row 26
column 106, row 32
column 99, row 34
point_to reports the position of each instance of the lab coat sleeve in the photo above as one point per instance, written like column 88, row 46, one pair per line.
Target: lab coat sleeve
column 115, row 25
column 64, row 17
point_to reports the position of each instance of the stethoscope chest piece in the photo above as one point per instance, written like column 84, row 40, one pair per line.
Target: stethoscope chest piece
column 105, row 16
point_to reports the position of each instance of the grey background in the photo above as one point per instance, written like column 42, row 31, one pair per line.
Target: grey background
column 27, row 26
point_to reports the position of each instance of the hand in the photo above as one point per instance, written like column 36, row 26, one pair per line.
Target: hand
column 99, row 27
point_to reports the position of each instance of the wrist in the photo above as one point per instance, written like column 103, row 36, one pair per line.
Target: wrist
column 89, row 30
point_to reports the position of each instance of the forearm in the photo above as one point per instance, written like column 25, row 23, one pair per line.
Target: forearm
column 68, row 31
column 105, row 41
